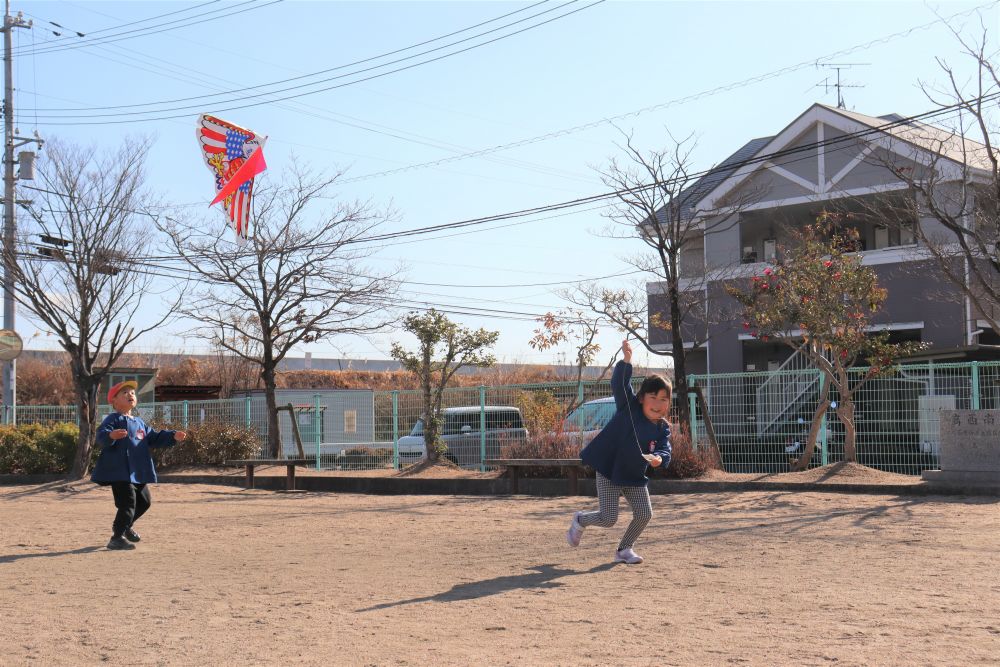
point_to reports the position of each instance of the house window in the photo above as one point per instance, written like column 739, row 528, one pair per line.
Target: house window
column 907, row 235
column 881, row 237
column 894, row 236
column 749, row 254
column 770, row 250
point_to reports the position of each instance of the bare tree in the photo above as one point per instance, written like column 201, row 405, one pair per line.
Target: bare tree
column 657, row 195
column 80, row 266
column 298, row 279
column 953, row 177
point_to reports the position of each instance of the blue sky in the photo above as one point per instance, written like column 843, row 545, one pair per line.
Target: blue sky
column 653, row 66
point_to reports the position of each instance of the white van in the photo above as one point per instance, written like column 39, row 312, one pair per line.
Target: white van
column 461, row 432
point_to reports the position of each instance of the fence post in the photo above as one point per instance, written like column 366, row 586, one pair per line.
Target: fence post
column 693, row 414
column 317, row 426
column 975, row 385
column 482, row 428
column 184, row 414
column 248, row 399
column 824, row 450
column 395, row 429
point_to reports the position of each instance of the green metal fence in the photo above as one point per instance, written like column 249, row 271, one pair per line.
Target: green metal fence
column 760, row 419
column 896, row 416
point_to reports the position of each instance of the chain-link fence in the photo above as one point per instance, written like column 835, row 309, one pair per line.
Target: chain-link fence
column 761, row 420
column 896, row 416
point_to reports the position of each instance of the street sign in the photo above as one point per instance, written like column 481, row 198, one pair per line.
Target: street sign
column 10, row 345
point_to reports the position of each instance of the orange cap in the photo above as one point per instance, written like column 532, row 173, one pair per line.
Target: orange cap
column 127, row 384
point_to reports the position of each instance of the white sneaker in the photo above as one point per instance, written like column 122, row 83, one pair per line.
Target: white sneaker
column 628, row 556
column 575, row 531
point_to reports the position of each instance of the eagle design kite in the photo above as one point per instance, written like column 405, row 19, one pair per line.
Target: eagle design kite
column 234, row 155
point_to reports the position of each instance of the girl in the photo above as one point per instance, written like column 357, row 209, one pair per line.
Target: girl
column 638, row 435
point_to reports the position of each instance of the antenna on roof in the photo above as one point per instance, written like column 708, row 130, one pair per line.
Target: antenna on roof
column 839, row 85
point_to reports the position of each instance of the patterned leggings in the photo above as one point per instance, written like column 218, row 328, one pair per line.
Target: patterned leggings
column 607, row 515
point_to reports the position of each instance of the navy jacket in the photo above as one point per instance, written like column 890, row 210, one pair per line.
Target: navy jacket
column 617, row 450
column 128, row 459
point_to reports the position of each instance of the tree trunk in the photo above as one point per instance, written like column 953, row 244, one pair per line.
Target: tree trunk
column 680, row 394
column 274, row 449
column 824, row 404
column 431, row 424
column 86, row 407
column 845, row 411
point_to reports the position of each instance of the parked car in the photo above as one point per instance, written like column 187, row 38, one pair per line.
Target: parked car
column 461, row 432
column 587, row 420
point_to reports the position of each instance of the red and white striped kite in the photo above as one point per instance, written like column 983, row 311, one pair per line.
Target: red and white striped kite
column 235, row 156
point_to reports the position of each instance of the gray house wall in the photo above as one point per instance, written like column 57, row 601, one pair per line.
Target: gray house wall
column 722, row 242
column 917, row 291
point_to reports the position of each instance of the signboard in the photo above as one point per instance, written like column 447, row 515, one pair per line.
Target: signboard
column 10, row 345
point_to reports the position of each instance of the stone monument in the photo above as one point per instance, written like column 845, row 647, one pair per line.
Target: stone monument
column 970, row 449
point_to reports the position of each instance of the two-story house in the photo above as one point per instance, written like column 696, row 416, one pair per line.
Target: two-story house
column 827, row 158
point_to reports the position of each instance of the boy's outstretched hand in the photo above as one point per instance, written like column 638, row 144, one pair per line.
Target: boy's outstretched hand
column 179, row 435
column 626, row 351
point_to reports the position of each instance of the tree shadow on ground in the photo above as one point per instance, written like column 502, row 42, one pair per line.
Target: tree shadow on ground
column 48, row 554
column 68, row 488
column 544, row 576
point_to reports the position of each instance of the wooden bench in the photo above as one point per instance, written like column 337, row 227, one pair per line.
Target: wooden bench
column 514, row 467
column 289, row 463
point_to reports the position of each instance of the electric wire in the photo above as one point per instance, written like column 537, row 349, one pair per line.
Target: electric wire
column 125, row 25
column 200, row 105
column 328, row 70
column 149, row 30
column 844, row 140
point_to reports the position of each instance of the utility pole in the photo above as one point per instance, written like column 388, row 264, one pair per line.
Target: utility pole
column 9, row 223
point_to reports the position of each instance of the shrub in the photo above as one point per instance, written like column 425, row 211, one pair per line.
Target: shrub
column 361, row 458
column 543, row 446
column 31, row 449
column 210, row 443
column 541, row 411
column 15, row 451
column 685, row 462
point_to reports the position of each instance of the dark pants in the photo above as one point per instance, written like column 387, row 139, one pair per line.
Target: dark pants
column 132, row 501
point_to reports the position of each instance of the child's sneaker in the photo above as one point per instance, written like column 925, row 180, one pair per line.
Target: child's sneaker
column 119, row 543
column 575, row 531
column 131, row 535
column 628, row 556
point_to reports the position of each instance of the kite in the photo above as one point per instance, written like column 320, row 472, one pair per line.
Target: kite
column 235, row 156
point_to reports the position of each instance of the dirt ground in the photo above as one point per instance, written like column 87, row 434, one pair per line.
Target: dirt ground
column 226, row 576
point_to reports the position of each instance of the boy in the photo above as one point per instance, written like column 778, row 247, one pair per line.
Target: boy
column 125, row 463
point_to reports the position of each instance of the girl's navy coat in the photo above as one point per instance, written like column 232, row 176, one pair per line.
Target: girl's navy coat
column 128, row 459
column 615, row 452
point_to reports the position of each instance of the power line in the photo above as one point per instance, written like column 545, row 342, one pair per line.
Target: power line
column 843, row 140
column 663, row 105
column 319, row 90
column 324, row 114
column 150, row 30
column 331, row 69
column 125, row 25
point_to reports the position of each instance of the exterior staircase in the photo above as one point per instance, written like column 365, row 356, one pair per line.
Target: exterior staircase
column 786, row 390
